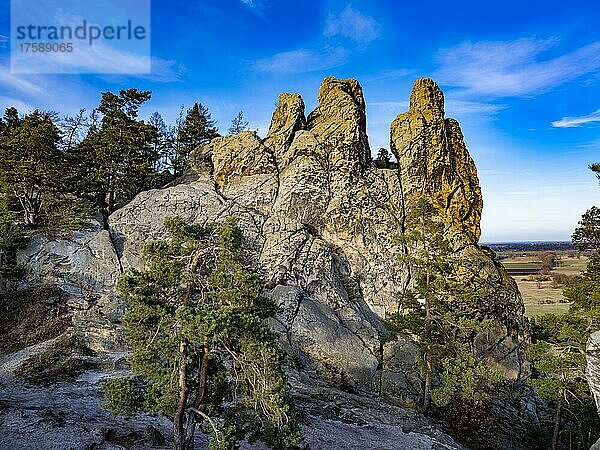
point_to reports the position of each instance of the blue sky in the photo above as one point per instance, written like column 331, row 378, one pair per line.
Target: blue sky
column 523, row 79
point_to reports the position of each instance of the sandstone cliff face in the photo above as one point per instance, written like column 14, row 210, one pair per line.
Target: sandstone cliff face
column 321, row 221
column 433, row 160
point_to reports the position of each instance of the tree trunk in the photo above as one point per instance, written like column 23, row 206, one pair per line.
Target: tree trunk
column 182, row 433
column 427, row 356
column 427, row 390
column 197, row 403
column 179, row 420
column 30, row 210
column 557, row 422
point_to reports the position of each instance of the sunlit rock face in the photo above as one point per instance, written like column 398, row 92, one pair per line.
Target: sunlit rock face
column 322, row 223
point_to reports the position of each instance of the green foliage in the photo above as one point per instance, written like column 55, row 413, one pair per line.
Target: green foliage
column 587, row 235
column 384, row 157
column 558, row 354
column 123, row 395
column 596, row 169
column 35, row 175
column 115, row 159
column 352, row 288
column 30, row 162
column 197, row 309
column 196, row 129
column 437, row 312
column 12, row 238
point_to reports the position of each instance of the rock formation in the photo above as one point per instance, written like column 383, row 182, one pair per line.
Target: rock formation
column 592, row 372
column 321, row 222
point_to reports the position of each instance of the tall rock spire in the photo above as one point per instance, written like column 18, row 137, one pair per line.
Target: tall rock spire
column 433, row 160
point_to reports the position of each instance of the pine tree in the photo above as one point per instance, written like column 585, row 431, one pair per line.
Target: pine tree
column 384, row 157
column 238, row 124
column 31, row 166
column 116, row 157
column 196, row 129
column 197, row 311
column 437, row 313
column 559, row 341
column 159, row 142
column 587, row 235
column 73, row 130
column 558, row 355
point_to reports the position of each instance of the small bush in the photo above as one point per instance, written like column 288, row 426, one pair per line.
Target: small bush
column 562, row 279
column 471, row 423
column 30, row 316
column 123, row 395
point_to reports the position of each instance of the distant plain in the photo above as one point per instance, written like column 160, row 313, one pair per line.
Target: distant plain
column 543, row 293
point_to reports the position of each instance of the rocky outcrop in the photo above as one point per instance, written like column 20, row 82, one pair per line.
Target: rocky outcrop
column 322, row 223
column 85, row 262
column 433, row 160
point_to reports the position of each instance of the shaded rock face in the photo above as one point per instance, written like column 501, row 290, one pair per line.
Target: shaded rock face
column 322, row 223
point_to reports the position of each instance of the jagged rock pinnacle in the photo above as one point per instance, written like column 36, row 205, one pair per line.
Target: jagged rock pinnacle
column 323, row 224
column 433, row 160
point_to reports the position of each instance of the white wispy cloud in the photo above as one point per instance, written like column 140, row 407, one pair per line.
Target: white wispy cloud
column 353, row 25
column 301, row 61
column 571, row 122
column 389, row 75
column 18, row 83
column 256, row 7
column 22, row 106
column 513, row 68
column 466, row 107
column 452, row 107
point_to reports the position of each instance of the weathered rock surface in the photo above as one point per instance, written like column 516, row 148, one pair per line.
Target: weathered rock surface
column 84, row 263
column 322, row 223
column 434, row 160
column 592, row 371
column 68, row 415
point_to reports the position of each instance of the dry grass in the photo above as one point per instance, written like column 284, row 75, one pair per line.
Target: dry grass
column 61, row 362
column 542, row 297
column 30, row 316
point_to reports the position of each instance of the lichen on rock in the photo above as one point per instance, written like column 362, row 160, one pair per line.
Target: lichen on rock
column 321, row 221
